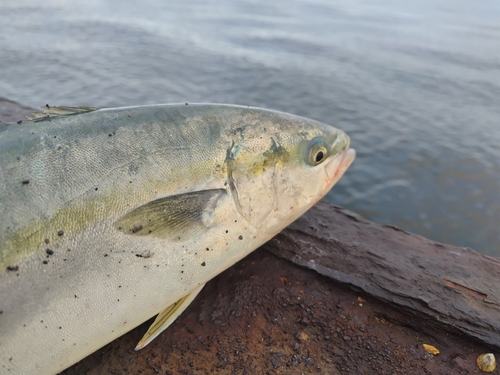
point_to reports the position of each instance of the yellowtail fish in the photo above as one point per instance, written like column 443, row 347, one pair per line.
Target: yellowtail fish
column 109, row 217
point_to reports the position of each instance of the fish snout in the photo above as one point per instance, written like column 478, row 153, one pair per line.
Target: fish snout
column 338, row 165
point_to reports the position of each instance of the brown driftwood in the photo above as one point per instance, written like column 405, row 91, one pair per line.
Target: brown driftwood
column 11, row 112
column 449, row 286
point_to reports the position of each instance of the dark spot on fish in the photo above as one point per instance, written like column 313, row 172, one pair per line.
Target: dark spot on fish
column 1, row 312
column 186, row 104
column 60, row 233
column 136, row 228
column 182, row 271
column 49, row 252
column 240, row 237
column 60, row 327
column 26, row 182
column 76, row 296
column 110, row 135
column 96, row 189
column 138, row 255
column 20, row 122
column 46, row 105
column 45, row 262
column 55, row 136
column 119, row 286
column 47, row 241
column 105, row 255
column 69, row 249
column 119, row 228
column 227, row 231
column 18, row 158
column 130, row 181
column 203, row 264
column 208, row 249
column 12, row 268
column 64, row 260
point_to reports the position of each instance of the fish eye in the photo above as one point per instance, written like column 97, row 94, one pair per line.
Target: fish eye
column 317, row 151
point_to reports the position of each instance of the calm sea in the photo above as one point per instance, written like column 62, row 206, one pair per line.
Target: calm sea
column 415, row 83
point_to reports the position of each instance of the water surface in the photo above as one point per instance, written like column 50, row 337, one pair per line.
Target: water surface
column 416, row 84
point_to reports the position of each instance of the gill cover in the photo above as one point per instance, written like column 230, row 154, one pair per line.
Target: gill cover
column 252, row 175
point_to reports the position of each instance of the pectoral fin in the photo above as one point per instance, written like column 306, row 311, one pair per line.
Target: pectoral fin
column 176, row 217
column 167, row 317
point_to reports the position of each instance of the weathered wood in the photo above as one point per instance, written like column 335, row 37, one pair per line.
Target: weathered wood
column 11, row 112
column 450, row 286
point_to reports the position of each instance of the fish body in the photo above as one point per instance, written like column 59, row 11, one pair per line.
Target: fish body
column 109, row 217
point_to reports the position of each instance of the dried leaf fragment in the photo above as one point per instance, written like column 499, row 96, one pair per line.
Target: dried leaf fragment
column 431, row 349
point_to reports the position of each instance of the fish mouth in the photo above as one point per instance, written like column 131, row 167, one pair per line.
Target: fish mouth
column 338, row 165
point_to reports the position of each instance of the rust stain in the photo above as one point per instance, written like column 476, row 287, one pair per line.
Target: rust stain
column 465, row 290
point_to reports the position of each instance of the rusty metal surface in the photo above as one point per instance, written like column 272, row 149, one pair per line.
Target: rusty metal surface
column 266, row 315
column 452, row 287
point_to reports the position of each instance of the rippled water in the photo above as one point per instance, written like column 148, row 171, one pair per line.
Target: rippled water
column 416, row 84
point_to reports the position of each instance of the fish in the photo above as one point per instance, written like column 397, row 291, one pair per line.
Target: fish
column 109, row 217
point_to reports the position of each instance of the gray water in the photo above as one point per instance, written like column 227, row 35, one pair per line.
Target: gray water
column 415, row 83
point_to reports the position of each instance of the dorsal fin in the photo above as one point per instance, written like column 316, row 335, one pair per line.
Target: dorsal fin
column 53, row 112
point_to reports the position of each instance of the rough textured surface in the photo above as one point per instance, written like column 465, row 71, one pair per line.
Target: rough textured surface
column 266, row 315
column 448, row 286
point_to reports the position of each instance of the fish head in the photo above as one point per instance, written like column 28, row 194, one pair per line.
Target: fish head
column 280, row 167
